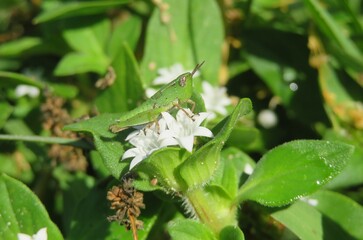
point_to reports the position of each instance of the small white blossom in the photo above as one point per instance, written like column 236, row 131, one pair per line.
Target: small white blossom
column 40, row 235
column 146, row 141
column 184, row 128
column 22, row 90
column 216, row 99
column 167, row 131
column 267, row 118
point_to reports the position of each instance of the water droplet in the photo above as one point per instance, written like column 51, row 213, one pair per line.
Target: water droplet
column 318, row 182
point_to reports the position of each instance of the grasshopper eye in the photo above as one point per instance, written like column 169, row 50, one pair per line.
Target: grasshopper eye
column 182, row 81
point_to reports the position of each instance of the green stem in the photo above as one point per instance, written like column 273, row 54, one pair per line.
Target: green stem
column 49, row 140
column 211, row 212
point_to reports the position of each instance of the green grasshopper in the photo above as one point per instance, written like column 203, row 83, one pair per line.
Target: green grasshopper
column 171, row 95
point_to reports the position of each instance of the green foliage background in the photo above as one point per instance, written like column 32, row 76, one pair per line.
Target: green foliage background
column 301, row 59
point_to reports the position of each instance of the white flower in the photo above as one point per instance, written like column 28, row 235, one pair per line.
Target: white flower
column 215, row 99
column 184, row 128
column 146, row 141
column 267, row 118
column 40, row 235
column 22, row 90
column 167, row 131
column 166, row 75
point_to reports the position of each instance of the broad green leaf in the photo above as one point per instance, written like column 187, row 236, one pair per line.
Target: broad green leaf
column 293, row 170
column 107, row 144
column 340, row 209
column 303, row 220
column 201, row 165
column 189, row 229
column 95, row 35
column 90, row 219
column 352, row 174
column 126, row 92
column 204, row 16
column 231, row 232
column 167, row 43
column 76, row 63
column 308, row 223
column 181, row 38
column 70, row 9
column 17, row 47
column 22, row 212
column 127, row 31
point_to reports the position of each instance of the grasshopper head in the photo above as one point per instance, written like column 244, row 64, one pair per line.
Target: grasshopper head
column 187, row 77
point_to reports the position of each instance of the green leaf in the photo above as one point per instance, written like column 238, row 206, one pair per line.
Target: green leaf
column 204, row 16
column 181, row 39
column 95, row 35
column 6, row 110
column 189, row 229
column 302, row 219
column 126, row 92
column 17, row 47
column 22, row 212
column 231, row 232
column 293, row 170
column 201, row 165
column 342, row 210
column 11, row 78
column 162, row 164
column 331, row 29
column 107, row 144
column 172, row 39
column 351, row 175
column 75, row 9
column 127, row 31
column 232, row 171
column 76, row 63
column 308, row 223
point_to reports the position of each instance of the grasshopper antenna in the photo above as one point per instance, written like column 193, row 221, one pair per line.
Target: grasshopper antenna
column 199, row 65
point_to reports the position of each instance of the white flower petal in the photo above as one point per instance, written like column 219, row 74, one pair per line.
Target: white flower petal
column 132, row 152
column 215, row 98
column 22, row 236
column 41, row 234
column 203, row 132
column 187, row 143
column 22, row 90
column 135, row 161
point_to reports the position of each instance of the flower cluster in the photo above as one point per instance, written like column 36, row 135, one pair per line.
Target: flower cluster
column 167, row 131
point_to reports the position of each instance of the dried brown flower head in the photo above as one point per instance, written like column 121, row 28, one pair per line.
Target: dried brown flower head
column 127, row 203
